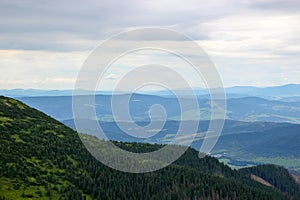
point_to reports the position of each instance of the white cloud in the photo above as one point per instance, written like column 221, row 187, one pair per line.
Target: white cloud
column 44, row 43
column 39, row 69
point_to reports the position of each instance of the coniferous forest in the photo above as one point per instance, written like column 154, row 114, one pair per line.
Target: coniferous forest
column 40, row 158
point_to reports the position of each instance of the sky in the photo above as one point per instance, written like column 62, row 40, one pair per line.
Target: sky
column 44, row 44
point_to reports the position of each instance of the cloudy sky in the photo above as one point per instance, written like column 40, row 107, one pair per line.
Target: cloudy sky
column 43, row 44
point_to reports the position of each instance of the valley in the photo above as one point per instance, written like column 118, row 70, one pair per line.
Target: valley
column 43, row 159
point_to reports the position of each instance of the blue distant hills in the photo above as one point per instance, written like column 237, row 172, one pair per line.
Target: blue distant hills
column 262, row 124
column 289, row 92
column 247, row 109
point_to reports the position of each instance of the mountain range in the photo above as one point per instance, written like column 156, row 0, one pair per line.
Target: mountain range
column 240, row 143
column 43, row 159
column 242, row 109
column 283, row 92
column 256, row 130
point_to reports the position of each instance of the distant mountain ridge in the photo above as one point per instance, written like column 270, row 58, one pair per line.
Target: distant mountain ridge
column 42, row 93
column 242, row 109
column 272, row 92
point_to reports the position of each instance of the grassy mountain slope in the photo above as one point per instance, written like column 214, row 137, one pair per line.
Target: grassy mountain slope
column 41, row 158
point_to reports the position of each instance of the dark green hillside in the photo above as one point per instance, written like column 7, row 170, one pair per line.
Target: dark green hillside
column 279, row 177
column 41, row 158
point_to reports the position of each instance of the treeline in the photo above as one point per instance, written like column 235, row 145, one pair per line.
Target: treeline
column 277, row 176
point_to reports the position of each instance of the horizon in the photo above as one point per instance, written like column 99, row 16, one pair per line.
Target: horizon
column 200, row 88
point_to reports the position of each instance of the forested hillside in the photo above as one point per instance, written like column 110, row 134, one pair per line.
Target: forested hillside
column 41, row 158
